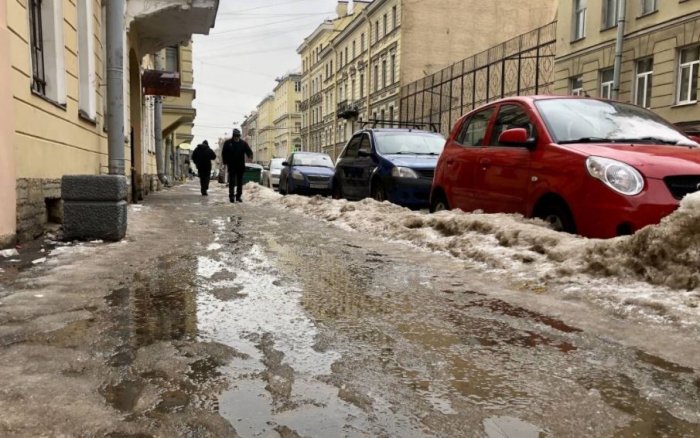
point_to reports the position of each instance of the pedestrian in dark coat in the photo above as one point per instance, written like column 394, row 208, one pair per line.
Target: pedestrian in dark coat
column 202, row 158
column 233, row 155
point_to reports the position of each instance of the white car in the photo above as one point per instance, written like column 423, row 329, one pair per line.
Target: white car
column 271, row 175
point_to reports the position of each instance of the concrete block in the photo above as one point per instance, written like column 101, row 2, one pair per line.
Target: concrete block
column 94, row 220
column 94, row 188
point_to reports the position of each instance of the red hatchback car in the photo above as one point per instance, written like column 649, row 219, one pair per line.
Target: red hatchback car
column 588, row 166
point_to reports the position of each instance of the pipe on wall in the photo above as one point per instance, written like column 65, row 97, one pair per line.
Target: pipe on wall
column 619, row 46
column 115, row 86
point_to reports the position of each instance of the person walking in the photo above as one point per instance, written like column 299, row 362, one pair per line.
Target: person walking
column 234, row 155
column 202, row 158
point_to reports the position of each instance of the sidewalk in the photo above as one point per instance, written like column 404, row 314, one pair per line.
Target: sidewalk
column 98, row 330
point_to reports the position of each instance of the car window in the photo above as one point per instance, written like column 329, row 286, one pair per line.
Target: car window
column 365, row 144
column 510, row 117
column 352, row 147
column 312, row 160
column 474, row 129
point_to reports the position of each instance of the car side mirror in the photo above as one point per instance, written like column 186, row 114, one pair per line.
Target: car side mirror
column 516, row 137
column 285, row 164
column 365, row 154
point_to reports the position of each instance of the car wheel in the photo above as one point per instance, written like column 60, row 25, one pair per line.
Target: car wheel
column 439, row 203
column 558, row 216
column 378, row 192
column 337, row 190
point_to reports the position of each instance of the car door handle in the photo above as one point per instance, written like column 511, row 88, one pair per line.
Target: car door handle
column 485, row 163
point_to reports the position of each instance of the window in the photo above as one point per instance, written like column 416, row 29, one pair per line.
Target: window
column 607, row 80
column 474, row 130
column 648, row 6
column 87, row 98
column 352, row 89
column 577, row 86
column 376, row 31
column 580, row 10
column 172, row 58
column 354, row 52
column 340, row 63
column 362, row 85
column 386, row 25
column 383, row 74
column 331, row 67
column 362, row 42
column 347, row 58
column 643, row 82
column 47, row 49
column 382, row 117
column 393, row 69
column 37, row 46
column 510, row 117
column 609, row 14
column 688, row 75
column 394, row 18
column 366, row 145
column 376, row 78
column 391, row 116
column 352, row 147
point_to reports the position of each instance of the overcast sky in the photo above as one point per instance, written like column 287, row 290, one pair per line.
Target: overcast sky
column 253, row 43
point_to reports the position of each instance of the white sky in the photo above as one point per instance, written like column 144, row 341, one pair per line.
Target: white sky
column 235, row 67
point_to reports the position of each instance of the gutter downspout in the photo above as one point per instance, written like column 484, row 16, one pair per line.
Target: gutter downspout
column 622, row 16
column 158, row 128
column 115, row 86
column 369, row 62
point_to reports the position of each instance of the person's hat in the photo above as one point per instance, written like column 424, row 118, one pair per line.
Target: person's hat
column 236, row 133
column 206, row 142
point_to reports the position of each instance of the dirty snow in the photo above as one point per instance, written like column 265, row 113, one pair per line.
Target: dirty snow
column 9, row 253
column 654, row 274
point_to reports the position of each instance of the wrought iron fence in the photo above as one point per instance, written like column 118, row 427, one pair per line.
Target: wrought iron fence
column 523, row 65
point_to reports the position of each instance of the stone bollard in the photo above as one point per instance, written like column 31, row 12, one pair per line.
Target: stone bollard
column 94, row 207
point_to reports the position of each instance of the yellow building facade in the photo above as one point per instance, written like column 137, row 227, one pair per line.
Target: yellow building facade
column 389, row 43
column 661, row 55
column 266, row 130
column 54, row 54
column 287, row 117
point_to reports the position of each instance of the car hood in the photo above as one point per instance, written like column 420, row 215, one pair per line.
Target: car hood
column 413, row 161
column 654, row 161
column 313, row 170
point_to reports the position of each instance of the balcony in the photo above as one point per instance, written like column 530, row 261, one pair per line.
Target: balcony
column 347, row 110
column 164, row 23
column 304, row 105
column 316, row 99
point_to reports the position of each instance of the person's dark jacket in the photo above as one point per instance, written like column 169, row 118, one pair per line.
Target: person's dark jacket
column 202, row 158
column 234, row 153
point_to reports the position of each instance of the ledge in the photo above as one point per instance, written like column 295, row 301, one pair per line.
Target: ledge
column 685, row 104
column 62, row 106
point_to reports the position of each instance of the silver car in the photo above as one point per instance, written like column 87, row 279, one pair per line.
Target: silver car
column 271, row 175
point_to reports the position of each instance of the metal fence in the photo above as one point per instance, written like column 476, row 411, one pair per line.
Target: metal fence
column 521, row 66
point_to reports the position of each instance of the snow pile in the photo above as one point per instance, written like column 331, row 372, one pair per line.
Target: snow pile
column 666, row 254
column 494, row 241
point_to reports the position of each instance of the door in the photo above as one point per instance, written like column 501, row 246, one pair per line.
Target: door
column 365, row 165
column 346, row 168
column 463, row 161
column 503, row 173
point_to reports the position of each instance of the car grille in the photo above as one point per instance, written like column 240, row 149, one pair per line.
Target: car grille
column 425, row 173
column 682, row 185
column 318, row 178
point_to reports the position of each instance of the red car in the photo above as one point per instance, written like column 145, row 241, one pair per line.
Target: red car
column 588, row 166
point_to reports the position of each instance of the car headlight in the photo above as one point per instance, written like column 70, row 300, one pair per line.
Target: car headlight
column 617, row 175
column 403, row 172
column 298, row 176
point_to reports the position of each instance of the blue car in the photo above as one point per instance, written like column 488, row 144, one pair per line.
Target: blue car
column 395, row 165
column 306, row 173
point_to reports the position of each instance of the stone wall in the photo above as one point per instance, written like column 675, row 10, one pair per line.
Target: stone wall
column 37, row 200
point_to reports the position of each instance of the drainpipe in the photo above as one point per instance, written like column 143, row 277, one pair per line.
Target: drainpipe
column 115, row 86
column 158, row 128
column 621, row 19
column 369, row 61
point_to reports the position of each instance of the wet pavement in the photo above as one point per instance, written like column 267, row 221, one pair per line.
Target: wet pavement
column 260, row 323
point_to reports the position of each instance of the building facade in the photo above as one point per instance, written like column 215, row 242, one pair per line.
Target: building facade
column 8, row 194
column 57, row 78
column 266, row 129
column 249, row 132
column 287, row 117
column 393, row 42
column 661, row 54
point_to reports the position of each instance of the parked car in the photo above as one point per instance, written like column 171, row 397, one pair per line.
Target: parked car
column 271, row 175
column 588, row 166
column 395, row 165
column 306, row 173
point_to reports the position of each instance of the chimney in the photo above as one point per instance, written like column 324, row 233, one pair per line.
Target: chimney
column 342, row 9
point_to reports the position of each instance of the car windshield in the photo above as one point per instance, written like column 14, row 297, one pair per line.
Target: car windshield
column 597, row 121
column 409, row 143
column 276, row 164
column 316, row 160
